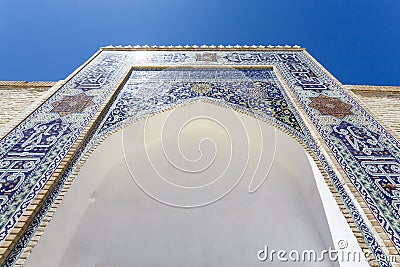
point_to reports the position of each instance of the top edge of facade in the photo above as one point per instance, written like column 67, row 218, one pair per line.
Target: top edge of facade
column 200, row 47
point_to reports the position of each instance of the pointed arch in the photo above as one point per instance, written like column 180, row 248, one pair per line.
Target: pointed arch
column 93, row 181
column 302, row 81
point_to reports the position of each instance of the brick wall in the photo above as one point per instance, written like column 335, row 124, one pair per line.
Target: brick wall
column 383, row 101
column 17, row 96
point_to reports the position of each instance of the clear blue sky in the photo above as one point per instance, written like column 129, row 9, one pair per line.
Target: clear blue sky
column 358, row 41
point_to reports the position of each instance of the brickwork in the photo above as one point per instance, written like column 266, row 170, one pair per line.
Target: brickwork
column 19, row 84
column 17, row 96
column 383, row 101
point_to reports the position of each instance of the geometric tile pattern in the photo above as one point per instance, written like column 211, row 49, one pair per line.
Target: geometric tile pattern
column 369, row 155
column 330, row 106
column 72, row 104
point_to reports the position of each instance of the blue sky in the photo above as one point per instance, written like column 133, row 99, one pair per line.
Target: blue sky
column 358, row 41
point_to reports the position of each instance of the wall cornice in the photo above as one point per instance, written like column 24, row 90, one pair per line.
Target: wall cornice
column 203, row 48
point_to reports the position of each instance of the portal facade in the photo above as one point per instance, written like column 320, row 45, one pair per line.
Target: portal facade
column 357, row 154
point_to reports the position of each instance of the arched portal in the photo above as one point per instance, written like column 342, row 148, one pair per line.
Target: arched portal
column 107, row 219
column 358, row 158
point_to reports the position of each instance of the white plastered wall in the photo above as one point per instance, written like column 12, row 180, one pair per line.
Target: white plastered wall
column 107, row 220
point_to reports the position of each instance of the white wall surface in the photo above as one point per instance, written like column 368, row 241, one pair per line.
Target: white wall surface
column 107, row 219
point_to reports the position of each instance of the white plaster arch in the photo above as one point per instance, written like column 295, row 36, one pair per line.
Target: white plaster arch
column 106, row 220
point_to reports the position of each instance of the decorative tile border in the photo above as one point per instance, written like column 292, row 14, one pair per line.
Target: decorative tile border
column 367, row 155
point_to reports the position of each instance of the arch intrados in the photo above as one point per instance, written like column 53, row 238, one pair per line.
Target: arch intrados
column 328, row 238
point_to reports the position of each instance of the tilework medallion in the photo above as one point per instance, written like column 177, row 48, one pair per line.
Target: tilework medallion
column 330, row 106
column 72, row 104
column 201, row 88
column 207, row 56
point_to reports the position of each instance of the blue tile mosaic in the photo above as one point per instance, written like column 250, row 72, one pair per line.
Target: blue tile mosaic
column 255, row 90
